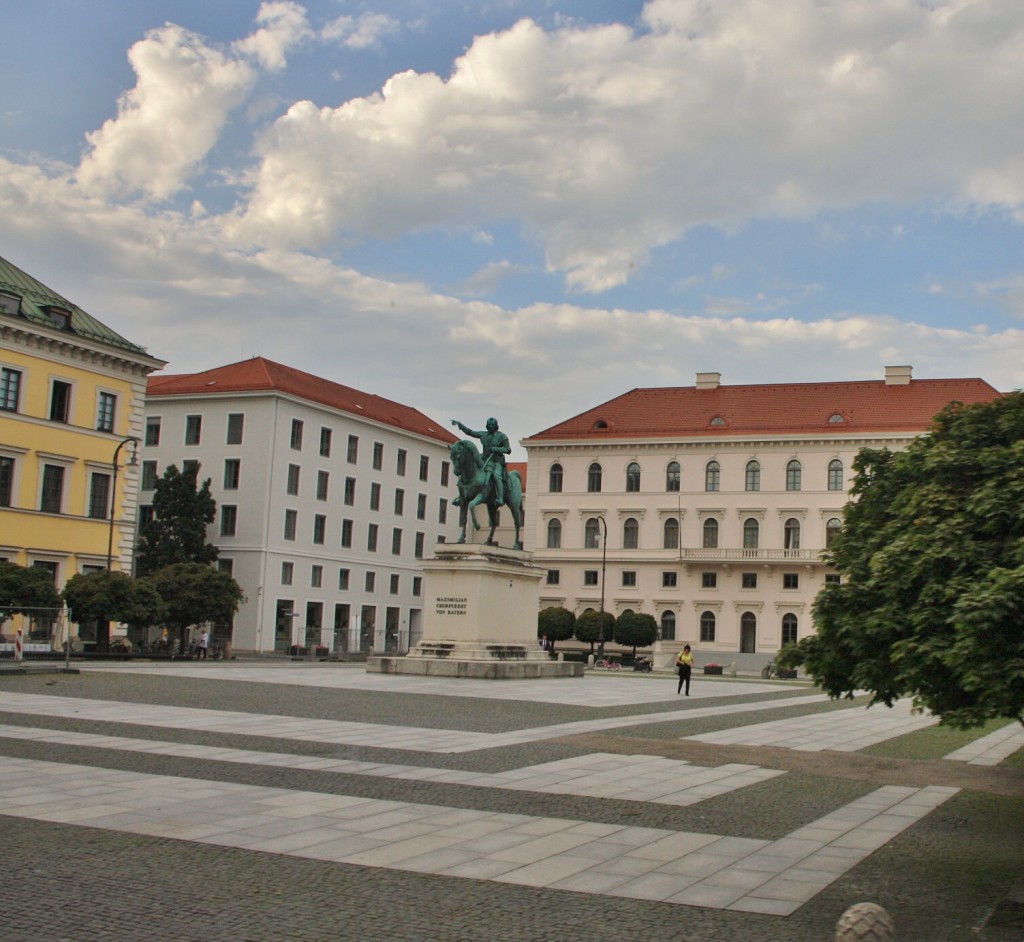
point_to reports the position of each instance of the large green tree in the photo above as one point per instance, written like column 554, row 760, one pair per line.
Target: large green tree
column 931, row 557
column 635, row 629
column 556, row 622
column 112, row 596
column 182, row 510
column 194, row 594
column 26, row 589
column 588, row 628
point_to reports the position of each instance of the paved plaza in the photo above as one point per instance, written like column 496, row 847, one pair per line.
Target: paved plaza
column 257, row 800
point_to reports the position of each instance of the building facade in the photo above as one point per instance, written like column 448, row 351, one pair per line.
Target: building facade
column 709, row 507
column 327, row 500
column 71, row 404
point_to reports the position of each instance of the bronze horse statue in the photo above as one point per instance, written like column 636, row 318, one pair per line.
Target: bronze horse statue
column 476, row 486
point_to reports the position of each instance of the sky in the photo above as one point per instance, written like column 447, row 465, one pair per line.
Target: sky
column 524, row 208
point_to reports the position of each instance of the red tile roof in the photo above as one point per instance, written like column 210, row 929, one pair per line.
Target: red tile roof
column 782, row 409
column 261, row 375
column 519, row 466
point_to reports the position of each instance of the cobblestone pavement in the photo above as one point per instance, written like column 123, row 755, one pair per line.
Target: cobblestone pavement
column 316, row 802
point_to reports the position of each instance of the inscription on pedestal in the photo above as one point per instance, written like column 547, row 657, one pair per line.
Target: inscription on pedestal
column 452, row 605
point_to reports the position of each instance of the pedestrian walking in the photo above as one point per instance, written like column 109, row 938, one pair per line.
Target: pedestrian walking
column 684, row 667
column 203, row 646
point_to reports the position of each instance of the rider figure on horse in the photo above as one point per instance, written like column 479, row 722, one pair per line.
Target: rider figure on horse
column 494, row 446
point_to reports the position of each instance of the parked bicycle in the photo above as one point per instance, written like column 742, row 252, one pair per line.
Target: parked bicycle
column 607, row 663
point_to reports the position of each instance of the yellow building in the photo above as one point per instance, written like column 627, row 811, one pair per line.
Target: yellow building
column 71, row 414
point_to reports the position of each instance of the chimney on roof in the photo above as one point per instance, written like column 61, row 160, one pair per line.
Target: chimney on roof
column 898, row 375
column 709, row 380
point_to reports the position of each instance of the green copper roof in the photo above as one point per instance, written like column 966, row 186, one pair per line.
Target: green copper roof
column 34, row 300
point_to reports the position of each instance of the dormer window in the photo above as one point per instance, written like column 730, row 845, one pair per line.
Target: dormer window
column 9, row 303
column 836, row 418
column 600, row 423
column 58, row 317
column 717, row 421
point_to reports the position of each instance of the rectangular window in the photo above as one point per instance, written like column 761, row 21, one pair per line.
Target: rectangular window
column 791, row 580
column 60, row 401
column 232, row 473
column 445, row 471
column 295, row 440
column 291, row 524
column 420, row 540
column 10, row 389
column 316, row 577
column 350, row 492
column 417, row 585
column 554, row 577
column 393, row 587
column 236, row 427
column 105, row 412
column 226, row 565
column 370, row 582
column 52, row 494
column 396, row 541
column 371, row 538
column 319, row 528
column 421, row 507
column 153, row 431
column 352, row 454
column 832, row 578
column 193, row 429
column 400, row 462
column 325, row 442
column 6, row 481
column 190, row 466
column 629, row 578
column 748, row 580
column 374, row 496
column 146, row 515
column 344, row 577
column 424, row 467
column 442, row 510
column 293, row 479
column 399, row 502
column 590, row 577
column 228, row 519
column 709, row 580
column 378, row 456
column 322, row 480
column 346, row 534
column 669, row 580
column 99, row 496
column 287, row 573
column 148, row 479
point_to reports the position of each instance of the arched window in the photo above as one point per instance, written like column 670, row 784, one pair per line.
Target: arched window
column 632, row 477
column 592, row 534
column 751, row 533
column 710, row 533
column 670, row 534
column 712, row 475
column 835, row 475
column 668, row 626
column 789, row 628
column 793, row 473
column 555, row 479
column 792, row 534
column 672, row 476
column 707, row 627
column 833, row 527
column 753, row 482
column 594, row 478
column 748, row 633
column 554, row 534
column 630, row 534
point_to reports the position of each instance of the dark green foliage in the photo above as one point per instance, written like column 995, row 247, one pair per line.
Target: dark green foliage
column 555, row 622
column 112, row 596
column 634, row 629
column 182, row 509
column 931, row 555
column 194, row 594
column 26, row 588
column 588, row 628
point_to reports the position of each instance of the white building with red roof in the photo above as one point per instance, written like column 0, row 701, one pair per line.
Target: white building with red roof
column 327, row 499
column 717, row 501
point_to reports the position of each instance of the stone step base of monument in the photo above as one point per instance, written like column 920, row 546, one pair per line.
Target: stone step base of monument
column 497, row 661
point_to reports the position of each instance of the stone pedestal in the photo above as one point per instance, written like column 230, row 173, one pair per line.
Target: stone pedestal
column 480, row 618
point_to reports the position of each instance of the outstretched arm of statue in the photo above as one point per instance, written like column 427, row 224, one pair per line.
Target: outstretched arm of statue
column 465, row 430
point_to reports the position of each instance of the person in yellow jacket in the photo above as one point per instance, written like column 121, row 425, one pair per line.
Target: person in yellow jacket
column 684, row 666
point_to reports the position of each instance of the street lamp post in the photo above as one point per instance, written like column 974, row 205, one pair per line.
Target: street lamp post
column 113, row 492
column 604, row 561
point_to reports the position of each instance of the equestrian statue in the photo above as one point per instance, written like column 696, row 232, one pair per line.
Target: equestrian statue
column 484, row 479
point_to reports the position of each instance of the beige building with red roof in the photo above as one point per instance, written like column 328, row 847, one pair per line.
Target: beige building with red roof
column 709, row 506
column 327, row 499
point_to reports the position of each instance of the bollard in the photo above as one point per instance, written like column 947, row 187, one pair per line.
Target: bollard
column 732, row 669
column 19, row 647
column 865, row 922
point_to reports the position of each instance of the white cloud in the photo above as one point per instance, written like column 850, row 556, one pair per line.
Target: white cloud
column 609, row 142
column 283, row 25
column 360, row 32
